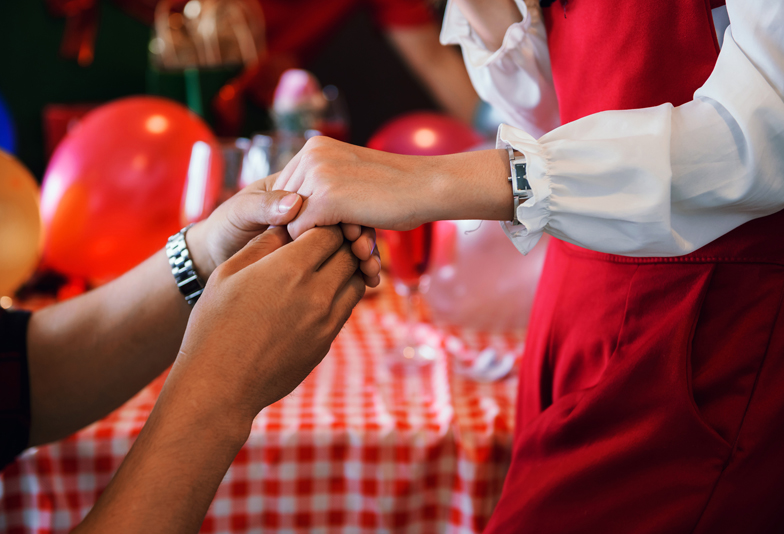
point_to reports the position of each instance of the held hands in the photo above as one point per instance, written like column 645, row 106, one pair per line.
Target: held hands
column 249, row 213
column 271, row 307
column 266, row 318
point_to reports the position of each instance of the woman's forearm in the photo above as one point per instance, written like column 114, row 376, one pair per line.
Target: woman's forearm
column 471, row 185
column 490, row 19
column 343, row 183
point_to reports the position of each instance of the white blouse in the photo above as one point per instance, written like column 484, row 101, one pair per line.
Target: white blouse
column 661, row 181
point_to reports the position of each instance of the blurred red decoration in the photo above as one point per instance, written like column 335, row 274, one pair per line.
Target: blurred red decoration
column 59, row 119
column 424, row 133
column 128, row 176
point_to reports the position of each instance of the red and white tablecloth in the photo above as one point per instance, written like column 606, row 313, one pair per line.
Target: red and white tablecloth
column 356, row 448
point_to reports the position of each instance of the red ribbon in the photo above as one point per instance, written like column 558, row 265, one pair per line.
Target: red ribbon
column 81, row 24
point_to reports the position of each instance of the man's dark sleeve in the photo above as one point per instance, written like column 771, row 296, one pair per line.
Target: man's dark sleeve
column 14, row 385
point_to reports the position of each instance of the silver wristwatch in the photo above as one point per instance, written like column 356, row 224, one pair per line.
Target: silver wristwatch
column 188, row 282
column 521, row 189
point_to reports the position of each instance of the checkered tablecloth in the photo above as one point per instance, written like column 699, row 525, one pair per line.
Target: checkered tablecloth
column 356, row 448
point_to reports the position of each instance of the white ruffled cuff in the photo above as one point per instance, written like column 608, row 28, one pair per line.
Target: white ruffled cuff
column 457, row 30
column 534, row 213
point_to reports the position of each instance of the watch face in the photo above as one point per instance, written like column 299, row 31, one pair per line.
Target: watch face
column 521, row 182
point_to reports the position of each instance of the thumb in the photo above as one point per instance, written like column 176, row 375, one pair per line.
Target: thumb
column 257, row 248
column 258, row 209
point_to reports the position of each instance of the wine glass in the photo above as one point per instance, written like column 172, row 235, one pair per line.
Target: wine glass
column 417, row 134
column 409, row 257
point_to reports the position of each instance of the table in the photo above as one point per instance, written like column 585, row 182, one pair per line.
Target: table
column 357, row 448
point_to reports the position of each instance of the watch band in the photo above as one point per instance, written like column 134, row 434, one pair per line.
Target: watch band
column 188, row 282
column 518, row 177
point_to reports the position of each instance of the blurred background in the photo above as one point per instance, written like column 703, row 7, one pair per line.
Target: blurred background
column 64, row 57
column 121, row 121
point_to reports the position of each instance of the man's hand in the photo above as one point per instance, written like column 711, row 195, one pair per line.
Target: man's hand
column 343, row 183
column 267, row 317
column 265, row 320
column 249, row 213
column 236, row 221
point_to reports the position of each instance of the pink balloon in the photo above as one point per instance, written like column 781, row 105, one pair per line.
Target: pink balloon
column 424, row 133
column 129, row 175
column 479, row 279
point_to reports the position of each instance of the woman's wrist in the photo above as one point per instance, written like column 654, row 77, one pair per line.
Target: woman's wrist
column 470, row 185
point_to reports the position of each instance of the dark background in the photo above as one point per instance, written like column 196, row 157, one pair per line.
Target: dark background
column 357, row 59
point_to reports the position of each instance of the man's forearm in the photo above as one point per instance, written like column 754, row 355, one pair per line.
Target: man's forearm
column 169, row 478
column 90, row 354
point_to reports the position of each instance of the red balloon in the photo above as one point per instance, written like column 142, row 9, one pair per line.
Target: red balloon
column 424, row 133
column 128, row 176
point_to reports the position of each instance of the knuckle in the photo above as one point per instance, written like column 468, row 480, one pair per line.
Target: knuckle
column 331, row 235
column 351, row 258
column 308, row 158
column 299, row 274
column 325, row 170
column 321, row 303
column 219, row 274
column 315, row 141
column 358, row 283
column 329, row 185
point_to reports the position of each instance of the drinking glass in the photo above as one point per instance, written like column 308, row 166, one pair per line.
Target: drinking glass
column 409, row 257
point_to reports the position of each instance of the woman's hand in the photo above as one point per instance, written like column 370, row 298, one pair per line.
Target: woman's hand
column 343, row 183
column 250, row 212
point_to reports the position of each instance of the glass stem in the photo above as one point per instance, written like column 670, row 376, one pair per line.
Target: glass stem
column 411, row 299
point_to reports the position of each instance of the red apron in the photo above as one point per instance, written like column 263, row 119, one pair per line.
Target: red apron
column 652, row 389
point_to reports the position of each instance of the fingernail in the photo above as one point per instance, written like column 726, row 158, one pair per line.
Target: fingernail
column 287, row 202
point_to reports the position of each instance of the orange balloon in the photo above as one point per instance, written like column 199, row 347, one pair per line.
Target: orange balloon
column 130, row 174
column 20, row 225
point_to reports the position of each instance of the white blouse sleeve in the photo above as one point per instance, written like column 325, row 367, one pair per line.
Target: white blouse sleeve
column 516, row 79
column 665, row 181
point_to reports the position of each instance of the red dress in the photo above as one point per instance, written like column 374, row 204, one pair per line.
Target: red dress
column 652, row 389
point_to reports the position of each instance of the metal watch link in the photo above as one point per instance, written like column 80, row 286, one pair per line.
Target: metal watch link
column 518, row 177
column 188, row 282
